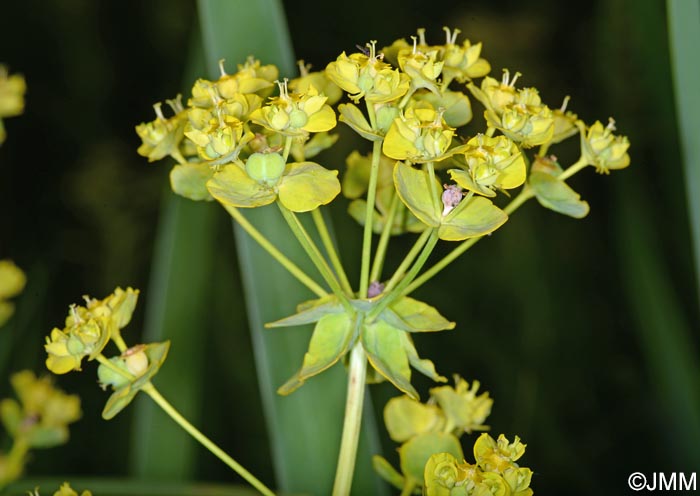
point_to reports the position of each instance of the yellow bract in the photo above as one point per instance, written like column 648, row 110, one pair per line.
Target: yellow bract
column 490, row 164
column 420, row 135
column 601, row 148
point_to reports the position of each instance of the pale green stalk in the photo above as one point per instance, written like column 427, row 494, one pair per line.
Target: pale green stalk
column 151, row 391
column 329, row 246
column 410, row 275
column 315, row 255
column 276, row 254
column 353, row 419
column 524, row 195
column 369, row 214
column 577, row 166
column 434, row 197
column 380, row 254
column 408, row 260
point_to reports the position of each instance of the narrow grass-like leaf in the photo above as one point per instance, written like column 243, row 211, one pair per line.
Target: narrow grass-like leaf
column 304, row 427
column 177, row 298
column 684, row 39
column 665, row 335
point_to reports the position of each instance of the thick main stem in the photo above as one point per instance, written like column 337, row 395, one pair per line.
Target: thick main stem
column 353, row 420
column 151, row 391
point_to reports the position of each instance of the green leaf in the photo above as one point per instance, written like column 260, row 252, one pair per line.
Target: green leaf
column 413, row 187
column 415, row 453
column 310, row 311
column 458, row 108
column 405, row 418
column 555, row 194
column 232, row 186
column 47, row 436
column 306, row 185
column 387, row 472
column 474, row 217
column 387, row 355
column 120, row 399
column 190, row 180
column 465, row 180
column 353, row 117
column 412, row 315
column 329, row 342
column 422, row 365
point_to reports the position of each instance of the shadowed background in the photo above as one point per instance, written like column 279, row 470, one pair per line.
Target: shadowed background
column 585, row 332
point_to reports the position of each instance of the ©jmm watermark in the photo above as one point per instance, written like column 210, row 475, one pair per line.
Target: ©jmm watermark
column 663, row 481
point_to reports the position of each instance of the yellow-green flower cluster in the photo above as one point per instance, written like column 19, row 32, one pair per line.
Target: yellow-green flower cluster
column 602, row 149
column 12, row 281
column 88, row 328
column 434, row 428
column 39, row 418
column 495, row 471
column 12, row 90
column 233, row 121
column 64, row 490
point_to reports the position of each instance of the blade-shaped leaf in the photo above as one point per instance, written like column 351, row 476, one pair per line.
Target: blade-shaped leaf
column 190, row 180
column 471, row 218
column 413, row 186
column 387, row 355
column 556, row 195
column 310, row 312
column 412, row 315
column 330, row 341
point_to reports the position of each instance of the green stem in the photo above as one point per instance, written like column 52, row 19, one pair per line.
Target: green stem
column 524, row 195
column 329, row 246
column 408, row 488
column 408, row 260
column 369, row 214
column 435, row 197
column 580, row 164
column 276, row 254
column 353, row 419
column 379, row 255
column 392, row 296
column 119, row 341
column 315, row 255
column 151, row 391
column 287, row 148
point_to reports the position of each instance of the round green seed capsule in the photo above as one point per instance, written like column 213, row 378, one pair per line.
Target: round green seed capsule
column 109, row 377
column 266, row 168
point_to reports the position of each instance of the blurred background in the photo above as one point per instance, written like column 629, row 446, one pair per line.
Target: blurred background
column 584, row 331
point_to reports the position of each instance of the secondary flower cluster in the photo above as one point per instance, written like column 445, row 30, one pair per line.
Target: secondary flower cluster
column 39, row 418
column 88, row 329
column 233, row 139
column 431, row 455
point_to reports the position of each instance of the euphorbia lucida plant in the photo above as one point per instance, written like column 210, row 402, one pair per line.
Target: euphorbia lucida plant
column 251, row 140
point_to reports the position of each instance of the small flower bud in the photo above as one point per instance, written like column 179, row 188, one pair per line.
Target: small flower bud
column 136, row 360
column 451, row 197
column 375, row 289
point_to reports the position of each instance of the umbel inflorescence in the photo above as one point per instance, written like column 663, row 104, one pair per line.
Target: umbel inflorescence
column 249, row 140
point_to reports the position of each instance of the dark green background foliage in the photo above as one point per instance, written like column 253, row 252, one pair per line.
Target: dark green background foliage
column 585, row 332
